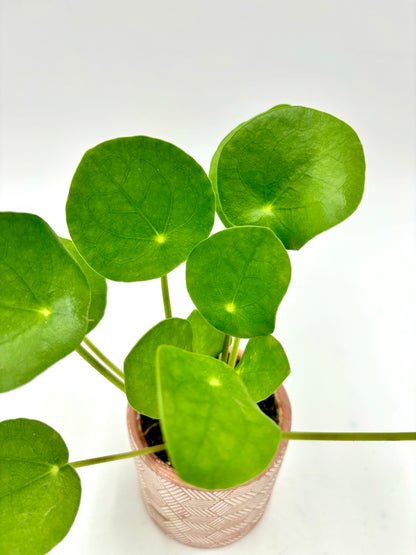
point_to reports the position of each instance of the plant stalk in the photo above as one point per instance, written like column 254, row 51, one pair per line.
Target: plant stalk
column 118, row 456
column 100, row 368
column 351, row 436
column 226, row 346
column 166, row 297
column 103, row 358
column 234, row 352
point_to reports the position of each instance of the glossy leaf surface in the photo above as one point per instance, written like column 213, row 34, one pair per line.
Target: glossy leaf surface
column 206, row 340
column 237, row 279
column 140, row 363
column 213, row 170
column 295, row 170
column 44, row 299
column 98, row 286
column 137, row 206
column 39, row 492
column 263, row 367
column 217, row 437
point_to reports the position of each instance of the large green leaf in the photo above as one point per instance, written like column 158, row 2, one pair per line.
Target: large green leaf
column 39, row 492
column 295, row 170
column 263, row 367
column 97, row 283
column 237, row 279
column 44, row 299
column 137, row 206
column 140, row 363
column 216, row 435
column 206, row 340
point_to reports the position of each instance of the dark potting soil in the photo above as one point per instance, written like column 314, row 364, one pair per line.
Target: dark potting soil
column 153, row 433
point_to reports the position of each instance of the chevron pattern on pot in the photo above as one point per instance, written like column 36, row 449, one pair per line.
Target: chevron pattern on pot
column 197, row 517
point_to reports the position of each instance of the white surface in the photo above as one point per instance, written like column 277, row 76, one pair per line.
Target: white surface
column 76, row 73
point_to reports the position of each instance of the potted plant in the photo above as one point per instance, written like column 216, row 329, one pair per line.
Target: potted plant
column 137, row 208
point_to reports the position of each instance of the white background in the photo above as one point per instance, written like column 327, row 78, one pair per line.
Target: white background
column 75, row 73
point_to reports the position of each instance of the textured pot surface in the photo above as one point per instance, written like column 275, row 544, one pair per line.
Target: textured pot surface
column 198, row 517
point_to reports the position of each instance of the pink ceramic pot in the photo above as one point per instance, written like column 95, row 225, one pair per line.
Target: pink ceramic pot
column 198, row 517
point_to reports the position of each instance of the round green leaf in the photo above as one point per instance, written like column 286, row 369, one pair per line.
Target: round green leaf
column 216, row 435
column 137, row 206
column 97, row 283
column 263, row 367
column 206, row 340
column 140, row 363
column 44, row 299
column 39, row 492
column 237, row 279
column 295, row 170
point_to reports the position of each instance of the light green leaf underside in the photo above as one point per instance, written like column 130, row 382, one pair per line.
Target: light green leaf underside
column 44, row 299
column 140, row 363
column 137, row 206
column 263, row 367
column 295, row 170
column 216, row 435
column 39, row 492
column 98, row 287
column 206, row 340
column 237, row 279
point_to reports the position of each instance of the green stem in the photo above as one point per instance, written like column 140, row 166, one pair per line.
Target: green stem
column 226, row 346
column 102, row 356
column 118, row 456
column 351, row 436
column 101, row 369
column 234, row 352
column 166, row 298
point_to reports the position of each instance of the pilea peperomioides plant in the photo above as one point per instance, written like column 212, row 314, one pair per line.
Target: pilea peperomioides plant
column 138, row 207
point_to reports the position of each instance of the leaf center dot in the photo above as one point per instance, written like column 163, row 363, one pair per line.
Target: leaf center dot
column 45, row 311
column 160, row 238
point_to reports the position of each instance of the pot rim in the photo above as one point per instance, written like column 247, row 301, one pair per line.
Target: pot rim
column 169, row 473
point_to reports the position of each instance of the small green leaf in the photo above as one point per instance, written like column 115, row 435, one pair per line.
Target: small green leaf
column 137, row 206
column 39, row 491
column 263, row 367
column 97, row 283
column 237, row 279
column 295, row 170
column 44, row 299
column 216, row 436
column 206, row 340
column 140, row 363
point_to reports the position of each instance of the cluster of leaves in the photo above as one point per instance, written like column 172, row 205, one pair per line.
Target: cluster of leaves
column 138, row 207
